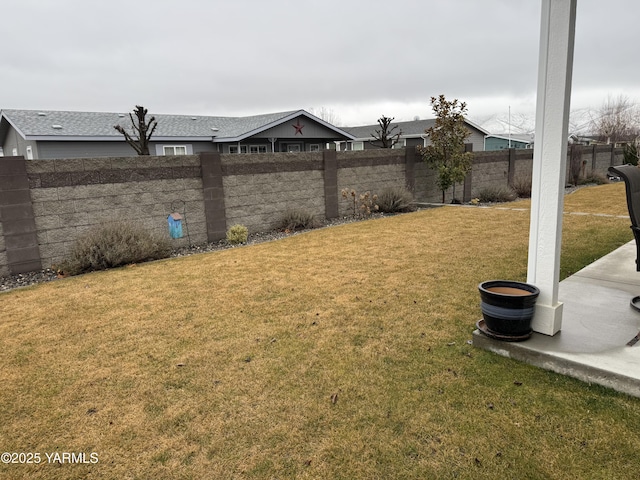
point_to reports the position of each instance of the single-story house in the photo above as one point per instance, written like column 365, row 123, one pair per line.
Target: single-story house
column 413, row 134
column 505, row 141
column 42, row 134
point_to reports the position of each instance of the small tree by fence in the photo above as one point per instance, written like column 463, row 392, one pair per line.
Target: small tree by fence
column 446, row 154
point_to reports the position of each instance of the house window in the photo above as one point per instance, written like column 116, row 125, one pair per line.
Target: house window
column 401, row 143
column 357, row 146
column 314, row 147
column 174, row 150
column 293, row 147
column 257, row 149
column 29, row 153
column 234, row 149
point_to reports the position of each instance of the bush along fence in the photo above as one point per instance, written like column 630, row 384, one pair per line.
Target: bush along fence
column 45, row 205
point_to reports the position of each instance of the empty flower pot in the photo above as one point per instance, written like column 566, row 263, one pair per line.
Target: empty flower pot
column 508, row 307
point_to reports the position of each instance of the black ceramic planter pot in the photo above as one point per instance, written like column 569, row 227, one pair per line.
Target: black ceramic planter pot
column 508, row 307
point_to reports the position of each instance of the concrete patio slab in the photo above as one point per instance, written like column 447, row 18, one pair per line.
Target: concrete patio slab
column 598, row 321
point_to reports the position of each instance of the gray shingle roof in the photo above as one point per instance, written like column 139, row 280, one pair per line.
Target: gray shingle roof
column 48, row 123
column 411, row 128
column 416, row 127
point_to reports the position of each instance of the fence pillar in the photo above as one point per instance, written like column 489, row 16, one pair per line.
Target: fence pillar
column 18, row 220
column 612, row 161
column 468, row 179
column 410, row 169
column 511, row 174
column 213, row 193
column 330, row 164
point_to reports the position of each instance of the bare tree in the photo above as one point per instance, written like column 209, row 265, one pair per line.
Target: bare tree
column 385, row 134
column 617, row 119
column 326, row 114
column 143, row 130
column 518, row 123
column 524, row 123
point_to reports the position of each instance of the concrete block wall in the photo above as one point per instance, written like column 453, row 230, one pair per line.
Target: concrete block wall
column 601, row 157
column 369, row 171
column 490, row 169
column 426, row 189
column 19, row 251
column 4, row 266
column 260, row 189
column 46, row 204
column 523, row 164
column 70, row 197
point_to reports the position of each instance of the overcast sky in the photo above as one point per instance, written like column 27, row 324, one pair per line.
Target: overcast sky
column 359, row 59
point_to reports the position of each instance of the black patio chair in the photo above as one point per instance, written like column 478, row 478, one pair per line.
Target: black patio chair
column 631, row 176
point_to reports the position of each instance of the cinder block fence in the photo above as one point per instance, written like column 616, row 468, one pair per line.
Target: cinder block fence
column 46, row 204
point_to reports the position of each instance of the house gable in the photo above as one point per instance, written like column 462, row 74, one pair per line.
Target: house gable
column 300, row 127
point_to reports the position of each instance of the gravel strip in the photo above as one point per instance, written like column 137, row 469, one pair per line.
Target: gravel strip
column 31, row 278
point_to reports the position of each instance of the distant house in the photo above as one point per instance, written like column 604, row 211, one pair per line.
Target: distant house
column 505, row 141
column 42, row 134
column 413, row 134
column 593, row 139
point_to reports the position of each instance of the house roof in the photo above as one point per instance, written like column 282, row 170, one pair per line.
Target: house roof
column 414, row 128
column 63, row 125
column 517, row 137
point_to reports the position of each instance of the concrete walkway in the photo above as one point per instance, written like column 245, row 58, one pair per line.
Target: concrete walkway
column 597, row 323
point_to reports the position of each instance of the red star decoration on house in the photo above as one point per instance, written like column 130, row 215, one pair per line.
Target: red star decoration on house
column 298, row 127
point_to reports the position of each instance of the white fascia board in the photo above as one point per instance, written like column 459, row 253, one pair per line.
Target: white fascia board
column 474, row 125
column 72, row 138
column 181, row 139
column 227, row 139
column 76, row 138
column 506, row 137
column 2, row 115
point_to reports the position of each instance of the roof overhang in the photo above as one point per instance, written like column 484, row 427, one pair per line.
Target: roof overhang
column 411, row 135
column 506, row 137
column 280, row 121
column 476, row 126
column 77, row 138
column 4, row 118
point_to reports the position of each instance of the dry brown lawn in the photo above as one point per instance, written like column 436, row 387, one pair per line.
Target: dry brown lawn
column 339, row 353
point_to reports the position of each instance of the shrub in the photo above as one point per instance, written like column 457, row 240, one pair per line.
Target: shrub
column 395, row 199
column 237, row 234
column 496, row 194
column 522, row 187
column 113, row 245
column 362, row 204
column 595, row 177
column 631, row 153
column 298, row 219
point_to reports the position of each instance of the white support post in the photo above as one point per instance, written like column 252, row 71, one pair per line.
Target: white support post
column 557, row 32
